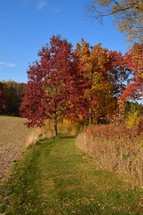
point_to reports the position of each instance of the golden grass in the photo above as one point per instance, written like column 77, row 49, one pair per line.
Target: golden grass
column 116, row 148
column 13, row 141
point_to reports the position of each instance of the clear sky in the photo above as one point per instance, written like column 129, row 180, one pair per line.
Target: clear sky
column 27, row 25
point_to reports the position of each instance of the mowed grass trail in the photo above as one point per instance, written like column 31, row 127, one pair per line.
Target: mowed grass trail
column 55, row 178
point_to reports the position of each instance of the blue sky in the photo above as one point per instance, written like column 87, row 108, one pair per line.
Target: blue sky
column 27, row 25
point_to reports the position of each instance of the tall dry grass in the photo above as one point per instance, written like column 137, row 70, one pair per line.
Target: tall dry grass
column 39, row 133
column 115, row 147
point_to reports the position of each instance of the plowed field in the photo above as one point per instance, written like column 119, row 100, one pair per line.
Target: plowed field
column 13, row 141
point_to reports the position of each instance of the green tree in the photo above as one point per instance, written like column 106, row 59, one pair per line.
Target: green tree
column 13, row 93
column 131, row 106
column 2, row 99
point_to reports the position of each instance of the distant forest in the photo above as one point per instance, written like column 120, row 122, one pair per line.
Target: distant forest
column 11, row 94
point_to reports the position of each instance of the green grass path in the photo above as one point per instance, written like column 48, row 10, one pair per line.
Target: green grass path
column 55, row 178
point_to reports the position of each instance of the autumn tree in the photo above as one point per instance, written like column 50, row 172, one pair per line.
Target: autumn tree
column 95, row 62
column 120, row 73
column 133, row 59
column 128, row 15
column 53, row 89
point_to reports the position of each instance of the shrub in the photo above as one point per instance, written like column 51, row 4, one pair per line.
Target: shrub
column 133, row 118
column 68, row 127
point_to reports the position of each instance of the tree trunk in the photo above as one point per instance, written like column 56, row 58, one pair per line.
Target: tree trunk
column 90, row 116
column 55, row 125
column 91, row 98
column 55, row 118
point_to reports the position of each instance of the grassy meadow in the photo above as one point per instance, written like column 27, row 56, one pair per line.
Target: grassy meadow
column 55, row 178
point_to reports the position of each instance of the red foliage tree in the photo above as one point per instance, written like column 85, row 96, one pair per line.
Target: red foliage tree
column 54, row 85
column 134, row 61
column 119, row 73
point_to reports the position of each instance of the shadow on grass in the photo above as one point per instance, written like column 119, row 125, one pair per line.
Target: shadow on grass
column 62, row 136
column 51, row 140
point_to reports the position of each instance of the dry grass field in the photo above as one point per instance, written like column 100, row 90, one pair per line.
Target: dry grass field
column 116, row 148
column 13, row 141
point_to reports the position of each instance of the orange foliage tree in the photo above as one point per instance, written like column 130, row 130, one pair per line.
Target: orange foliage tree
column 96, row 64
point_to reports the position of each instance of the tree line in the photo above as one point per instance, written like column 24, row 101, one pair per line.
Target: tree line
column 11, row 94
column 85, row 84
